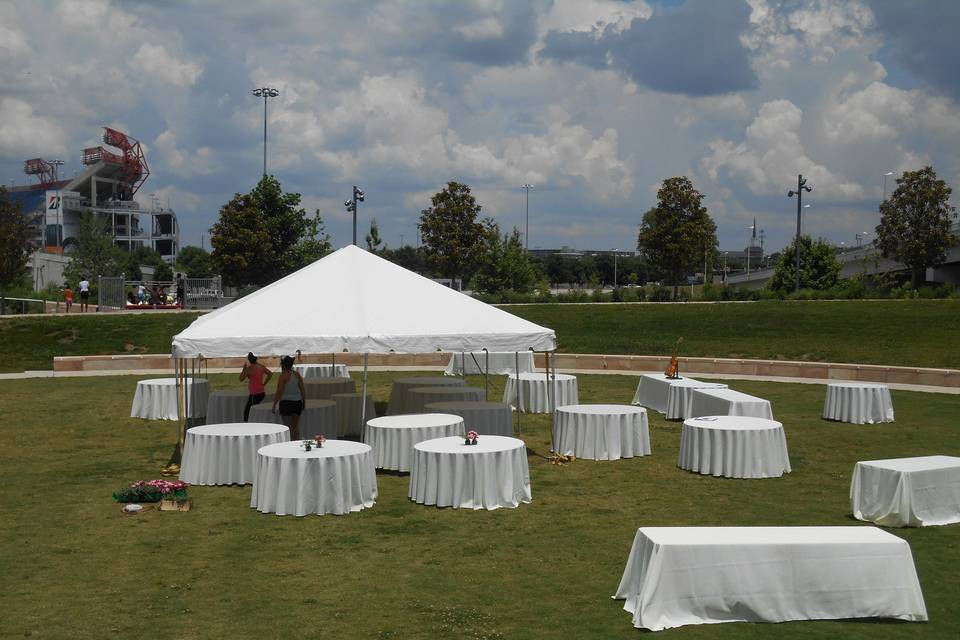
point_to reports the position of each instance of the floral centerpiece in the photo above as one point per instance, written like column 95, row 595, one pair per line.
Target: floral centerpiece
column 318, row 440
column 153, row 491
column 471, row 437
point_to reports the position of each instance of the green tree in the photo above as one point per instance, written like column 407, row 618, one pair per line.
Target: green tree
column 504, row 264
column 915, row 222
column 373, row 238
column 676, row 234
column 14, row 244
column 264, row 235
column 407, row 257
column 195, row 262
column 819, row 267
column 94, row 253
column 147, row 257
column 452, row 236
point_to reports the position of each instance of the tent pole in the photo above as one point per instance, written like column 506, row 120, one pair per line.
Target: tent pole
column 551, row 391
column 486, row 374
column 333, row 359
column 516, row 375
column 463, row 366
column 363, row 402
column 173, row 465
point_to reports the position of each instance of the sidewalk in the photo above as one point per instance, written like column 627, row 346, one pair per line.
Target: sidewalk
column 160, row 373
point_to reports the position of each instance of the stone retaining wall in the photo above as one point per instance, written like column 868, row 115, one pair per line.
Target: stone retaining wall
column 566, row 361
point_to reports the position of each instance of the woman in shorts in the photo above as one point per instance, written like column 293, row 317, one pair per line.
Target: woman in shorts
column 290, row 395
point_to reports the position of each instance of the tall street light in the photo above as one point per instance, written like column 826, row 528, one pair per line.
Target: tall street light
column 888, row 173
column 801, row 187
column 526, row 234
column 615, row 251
column 351, row 206
column 265, row 92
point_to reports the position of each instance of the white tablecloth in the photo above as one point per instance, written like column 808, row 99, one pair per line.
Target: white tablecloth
column 727, row 402
column 318, row 417
column 324, row 388
column 734, row 447
column 337, row 479
column 393, row 437
column 652, row 390
column 695, row 575
column 156, row 399
column 907, row 492
column 680, row 398
column 322, row 370
column 497, row 362
column 486, row 418
column 858, row 402
column 226, row 453
column 349, row 410
column 226, row 405
column 398, row 392
column 533, row 392
column 488, row 475
column 601, row 431
column 419, row 397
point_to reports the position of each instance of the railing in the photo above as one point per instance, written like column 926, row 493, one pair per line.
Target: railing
column 21, row 306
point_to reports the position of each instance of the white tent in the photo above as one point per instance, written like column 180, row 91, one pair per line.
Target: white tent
column 353, row 300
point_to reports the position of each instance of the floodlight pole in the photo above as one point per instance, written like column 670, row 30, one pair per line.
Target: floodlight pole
column 801, row 186
column 265, row 92
column 526, row 233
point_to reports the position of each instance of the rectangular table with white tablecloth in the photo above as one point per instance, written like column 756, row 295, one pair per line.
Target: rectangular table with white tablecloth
column 727, row 402
column 907, row 492
column 697, row 575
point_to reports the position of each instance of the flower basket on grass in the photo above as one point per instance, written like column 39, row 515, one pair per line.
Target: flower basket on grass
column 172, row 496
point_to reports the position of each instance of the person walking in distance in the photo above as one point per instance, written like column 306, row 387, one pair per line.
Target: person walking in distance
column 290, row 395
column 181, row 290
column 257, row 376
column 67, row 297
column 84, row 294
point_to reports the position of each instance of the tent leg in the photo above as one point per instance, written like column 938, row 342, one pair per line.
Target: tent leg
column 363, row 402
column 173, row 465
column 486, row 373
column 516, row 374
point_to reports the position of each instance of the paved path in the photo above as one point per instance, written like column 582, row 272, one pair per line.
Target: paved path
column 160, row 373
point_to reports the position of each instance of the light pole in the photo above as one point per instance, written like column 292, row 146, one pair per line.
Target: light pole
column 526, row 233
column 265, row 92
column 801, row 186
column 753, row 230
column 56, row 178
column 351, row 206
column 615, row 268
column 888, row 173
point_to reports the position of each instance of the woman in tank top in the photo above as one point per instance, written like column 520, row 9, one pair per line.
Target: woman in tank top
column 290, row 395
column 257, row 376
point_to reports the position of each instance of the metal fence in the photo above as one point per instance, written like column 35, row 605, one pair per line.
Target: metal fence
column 13, row 306
column 110, row 293
column 204, row 293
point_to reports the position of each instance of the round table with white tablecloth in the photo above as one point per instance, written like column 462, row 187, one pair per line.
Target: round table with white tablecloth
column 680, row 398
column 318, row 417
column 534, row 390
column 419, row 397
column 324, row 388
column 393, row 437
column 858, row 402
column 601, row 431
column 488, row 475
column 486, row 418
column 156, row 399
column 398, row 392
column 338, row 478
column 349, row 409
column 734, row 447
column 226, row 453
column 226, row 405
column 309, row 371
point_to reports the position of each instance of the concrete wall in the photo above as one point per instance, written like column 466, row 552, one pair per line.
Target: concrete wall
column 566, row 361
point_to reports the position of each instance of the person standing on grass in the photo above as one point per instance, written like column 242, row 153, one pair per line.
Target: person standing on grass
column 181, row 289
column 290, row 394
column 84, row 293
column 67, row 296
column 257, row 376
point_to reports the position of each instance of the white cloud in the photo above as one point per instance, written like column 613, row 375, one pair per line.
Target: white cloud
column 201, row 161
column 155, row 62
column 24, row 133
column 586, row 15
column 486, row 29
column 771, row 153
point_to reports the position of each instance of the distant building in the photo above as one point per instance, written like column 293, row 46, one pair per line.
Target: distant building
column 107, row 188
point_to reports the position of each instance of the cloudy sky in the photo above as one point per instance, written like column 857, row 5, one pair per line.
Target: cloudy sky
column 594, row 102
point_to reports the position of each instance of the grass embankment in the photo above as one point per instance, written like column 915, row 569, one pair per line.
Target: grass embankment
column 31, row 343
column 920, row 333
column 75, row 567
column 917, row 333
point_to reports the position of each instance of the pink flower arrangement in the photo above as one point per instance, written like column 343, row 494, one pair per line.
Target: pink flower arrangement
column 320, row 439
column 153, row 491
column 472, row 435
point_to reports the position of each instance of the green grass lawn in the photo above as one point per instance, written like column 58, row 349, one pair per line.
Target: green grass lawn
column 74, row 567
column 917, row 333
